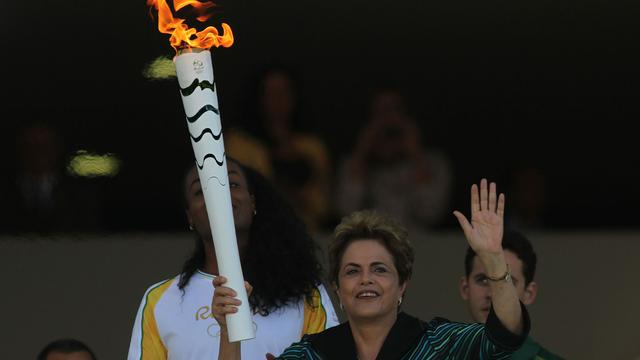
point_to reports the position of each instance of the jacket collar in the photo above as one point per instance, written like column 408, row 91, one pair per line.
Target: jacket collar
column 337, row 343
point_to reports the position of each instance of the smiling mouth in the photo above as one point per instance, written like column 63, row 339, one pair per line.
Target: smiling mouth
column 368, row 294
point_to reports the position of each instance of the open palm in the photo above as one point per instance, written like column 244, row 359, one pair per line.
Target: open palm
column 484, row 233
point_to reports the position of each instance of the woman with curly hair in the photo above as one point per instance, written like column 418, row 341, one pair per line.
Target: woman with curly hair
column 175, row 320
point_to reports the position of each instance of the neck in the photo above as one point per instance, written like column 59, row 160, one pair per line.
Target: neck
column 369, row 334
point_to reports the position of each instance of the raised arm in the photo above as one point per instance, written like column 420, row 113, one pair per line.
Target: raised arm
column 484, row 235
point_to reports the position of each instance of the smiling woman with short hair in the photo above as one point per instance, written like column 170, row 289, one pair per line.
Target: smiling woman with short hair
column 371, row 262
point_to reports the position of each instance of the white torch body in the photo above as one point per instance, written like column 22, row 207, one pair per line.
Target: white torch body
column 197, row 87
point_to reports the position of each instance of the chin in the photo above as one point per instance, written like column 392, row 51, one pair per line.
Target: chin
column 363, row 313
column 482, row 316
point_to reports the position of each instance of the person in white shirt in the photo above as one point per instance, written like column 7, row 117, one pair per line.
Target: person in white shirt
column 288, row 300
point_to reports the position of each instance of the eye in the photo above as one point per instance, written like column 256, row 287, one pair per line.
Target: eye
column 482, row 280
column 234, row 184
column 380, row 269
column 351, row 271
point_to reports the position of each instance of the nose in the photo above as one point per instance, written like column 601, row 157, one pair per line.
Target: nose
column 366, row 278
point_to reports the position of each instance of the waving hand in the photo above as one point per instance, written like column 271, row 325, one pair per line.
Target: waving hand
column 484, row 232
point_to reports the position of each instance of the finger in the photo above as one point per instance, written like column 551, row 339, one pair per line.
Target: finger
column 248, row 287
column 223, row 291
column 221, row 311
column 501, row 202
column 219, row 280
column 483, row 194
column 270, row 356
column 464, row 223
column 226, row 301
column 475, row 200
column 492, row 197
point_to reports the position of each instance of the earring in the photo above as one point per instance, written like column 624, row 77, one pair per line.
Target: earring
column 255, row 212
column 341, row 306
column 399, row 301
column 191, row 227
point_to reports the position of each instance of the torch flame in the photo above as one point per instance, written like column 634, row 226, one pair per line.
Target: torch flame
column 181, row 34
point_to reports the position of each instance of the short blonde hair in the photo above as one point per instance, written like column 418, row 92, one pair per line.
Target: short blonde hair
column 369, row 224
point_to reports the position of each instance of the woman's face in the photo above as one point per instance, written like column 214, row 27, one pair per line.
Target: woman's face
column 242, row 201
column 369, row 286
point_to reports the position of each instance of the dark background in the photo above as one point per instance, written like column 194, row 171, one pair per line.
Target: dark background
column 494, row 84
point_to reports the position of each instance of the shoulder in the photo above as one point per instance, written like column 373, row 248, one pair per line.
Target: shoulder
column 440, row 323
column 326, row 303
column 323, row 296
column 332, row 343
column 309, row 144
column 320, row 297
column 156, row 291
column 248, row 150
column 328, row 335
column 300, row 350
column 441, row 327
column 238, row 137
column 319, row 313
column 160, row 287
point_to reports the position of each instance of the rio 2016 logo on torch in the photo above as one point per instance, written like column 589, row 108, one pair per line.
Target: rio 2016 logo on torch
column 198, row 66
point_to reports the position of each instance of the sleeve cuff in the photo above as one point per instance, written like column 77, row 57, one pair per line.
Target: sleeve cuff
column 504, row 338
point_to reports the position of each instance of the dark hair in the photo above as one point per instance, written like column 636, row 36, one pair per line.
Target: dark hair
column 518, row 244
column 280, row 260
column 368, row 224
column 66, row 346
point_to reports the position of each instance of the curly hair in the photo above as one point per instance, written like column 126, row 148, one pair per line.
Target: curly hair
column 280, row 259
column 368, row 224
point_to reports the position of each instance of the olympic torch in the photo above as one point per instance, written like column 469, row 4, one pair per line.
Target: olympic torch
column 194, row 69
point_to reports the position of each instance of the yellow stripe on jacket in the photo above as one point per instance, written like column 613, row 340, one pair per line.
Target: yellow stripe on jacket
column 152, row 345
column 315, row 316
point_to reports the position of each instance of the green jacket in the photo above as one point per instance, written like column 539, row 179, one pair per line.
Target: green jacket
column 531, row 350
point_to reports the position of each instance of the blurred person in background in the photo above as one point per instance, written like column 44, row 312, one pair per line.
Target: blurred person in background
column 476, row 291
column 391, row 168
column 66, row 349
column 529, row 200
column 299, row 160
column 41, row 196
